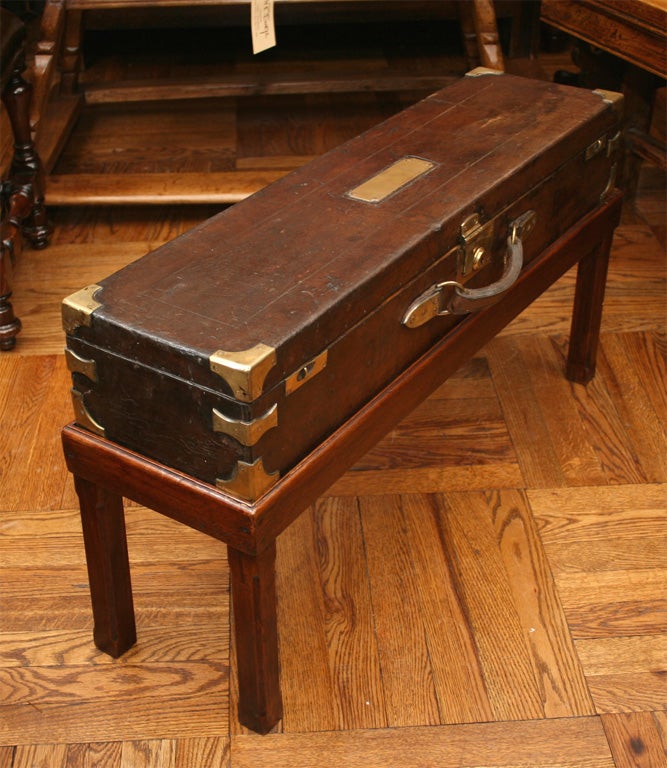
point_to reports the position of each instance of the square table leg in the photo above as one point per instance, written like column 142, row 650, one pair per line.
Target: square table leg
column 587, row 314
column 256, row 634
column 103, row 521
column 98, row 465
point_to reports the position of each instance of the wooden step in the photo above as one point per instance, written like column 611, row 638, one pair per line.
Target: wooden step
column 254, row 84
column 157, row 188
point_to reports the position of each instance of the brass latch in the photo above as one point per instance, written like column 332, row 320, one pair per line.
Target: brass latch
column 477, row 241
column 305, row 373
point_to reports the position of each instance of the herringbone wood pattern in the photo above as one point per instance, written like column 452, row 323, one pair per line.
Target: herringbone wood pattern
column 485, row 588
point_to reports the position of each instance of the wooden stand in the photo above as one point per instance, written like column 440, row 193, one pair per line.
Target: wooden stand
column 104, row 472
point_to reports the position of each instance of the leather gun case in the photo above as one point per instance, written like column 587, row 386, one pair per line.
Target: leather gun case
column 231, row 352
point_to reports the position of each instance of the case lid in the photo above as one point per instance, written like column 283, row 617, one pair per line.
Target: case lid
column 244, row 300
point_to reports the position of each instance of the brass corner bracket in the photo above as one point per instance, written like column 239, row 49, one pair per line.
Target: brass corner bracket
column 613, row 98
column 249, row 481
column 244, row 371
column 82, row 415
column 78, row 364
column 247, row 433
column 77, row 309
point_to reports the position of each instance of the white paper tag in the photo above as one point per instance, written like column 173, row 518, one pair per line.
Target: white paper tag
column 262, row 25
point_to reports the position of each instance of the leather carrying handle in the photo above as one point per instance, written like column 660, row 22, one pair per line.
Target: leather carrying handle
column 458, row 300
column 452, row 298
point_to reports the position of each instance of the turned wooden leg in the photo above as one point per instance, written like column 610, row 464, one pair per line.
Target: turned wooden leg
column 27, row 176
column 256, row 633
column 103, row 521
column 587, row 314
column 480, row 34
column 9, row 324
column 70, row 63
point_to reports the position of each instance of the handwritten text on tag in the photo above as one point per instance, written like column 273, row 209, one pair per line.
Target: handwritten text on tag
column 262, row 25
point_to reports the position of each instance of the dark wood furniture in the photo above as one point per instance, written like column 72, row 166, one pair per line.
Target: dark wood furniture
column 23, row 212
column 620, row 45
column 104, row 472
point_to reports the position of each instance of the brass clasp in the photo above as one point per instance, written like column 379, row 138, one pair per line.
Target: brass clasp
column 477, row 241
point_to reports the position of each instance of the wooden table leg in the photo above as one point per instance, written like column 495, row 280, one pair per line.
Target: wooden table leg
column 587, row 314
column 103, row 521
column 256, row 632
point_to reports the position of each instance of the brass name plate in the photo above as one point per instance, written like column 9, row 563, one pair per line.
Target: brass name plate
column 391, row 179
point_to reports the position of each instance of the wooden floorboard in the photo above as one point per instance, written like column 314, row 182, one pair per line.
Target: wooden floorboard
column 496, row 598
column 566, row 742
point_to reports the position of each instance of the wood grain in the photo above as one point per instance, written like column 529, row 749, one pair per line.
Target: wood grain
column 404, row 645
column 322, row 584
column 45, row 278
column 166, row 753
column 154, row 188
column 589, row 436
column 624, row 655
column 300, row 598
column 350, row 631
column 570, row 742
column 33, row 397
column 556, row 667
column 635, row 740
column 73, row 703
column 492, row 609
column 634, row 599
column 458, row 673
column 41, row 755
column 607, row 548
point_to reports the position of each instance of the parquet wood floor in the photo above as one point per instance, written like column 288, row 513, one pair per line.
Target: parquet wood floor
column 495, row 598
